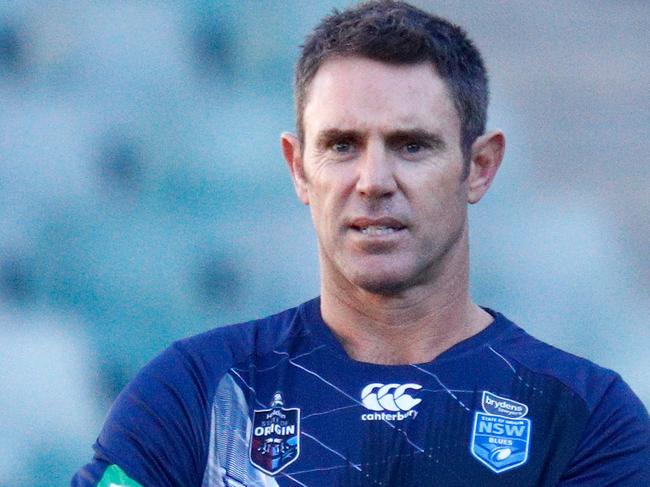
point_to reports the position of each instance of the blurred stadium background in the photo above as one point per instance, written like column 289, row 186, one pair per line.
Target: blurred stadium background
column 143, row 197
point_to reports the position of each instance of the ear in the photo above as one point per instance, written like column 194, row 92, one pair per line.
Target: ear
column 487, row 153
column 293, row 155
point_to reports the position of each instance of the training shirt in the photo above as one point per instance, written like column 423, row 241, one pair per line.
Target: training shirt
column 278, row 402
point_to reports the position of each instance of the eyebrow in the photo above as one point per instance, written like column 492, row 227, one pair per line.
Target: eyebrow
column 326, row 137
column 432, row 139
column 435, row 141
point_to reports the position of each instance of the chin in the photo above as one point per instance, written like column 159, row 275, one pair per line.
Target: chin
column 383, row 283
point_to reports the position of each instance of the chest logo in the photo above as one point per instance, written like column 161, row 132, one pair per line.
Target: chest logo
column 275, row 437
column 501, row 434
column 392, row 402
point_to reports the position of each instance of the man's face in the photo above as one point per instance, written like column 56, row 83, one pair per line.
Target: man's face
column 382, row 171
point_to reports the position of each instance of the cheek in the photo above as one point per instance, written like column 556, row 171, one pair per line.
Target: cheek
column 330, row 189
column 322, row 208
column 442, row 199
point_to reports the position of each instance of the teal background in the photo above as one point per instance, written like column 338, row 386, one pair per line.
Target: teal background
column 143, row 196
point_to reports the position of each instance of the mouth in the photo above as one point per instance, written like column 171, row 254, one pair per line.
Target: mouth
column 377, row 227
column 377, row 230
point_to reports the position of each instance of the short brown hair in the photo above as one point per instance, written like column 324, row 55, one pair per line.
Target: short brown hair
column 395, row 32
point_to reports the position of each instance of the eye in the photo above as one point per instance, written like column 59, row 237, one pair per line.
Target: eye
column 413, row 147
column 342, row 147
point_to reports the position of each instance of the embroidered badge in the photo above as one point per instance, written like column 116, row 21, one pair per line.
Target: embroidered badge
column 275, row 438
column 501, row 433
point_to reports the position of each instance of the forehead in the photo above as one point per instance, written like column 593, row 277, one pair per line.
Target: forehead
column 355, row 93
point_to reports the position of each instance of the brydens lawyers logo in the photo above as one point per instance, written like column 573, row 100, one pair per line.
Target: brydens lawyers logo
column 275, row 438
column 389, row 397
column 501, row 434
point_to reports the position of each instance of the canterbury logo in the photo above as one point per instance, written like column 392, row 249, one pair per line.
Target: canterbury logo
column 389, row 397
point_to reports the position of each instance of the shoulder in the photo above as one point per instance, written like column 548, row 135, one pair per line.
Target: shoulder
column 158, row 427
column 200, row 361
column 611, row 423
column 582, row 377
column 227, row 346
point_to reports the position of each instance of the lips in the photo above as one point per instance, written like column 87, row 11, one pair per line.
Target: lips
column 377, row 226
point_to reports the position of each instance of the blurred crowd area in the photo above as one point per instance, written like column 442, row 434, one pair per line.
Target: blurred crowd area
column 143, row 197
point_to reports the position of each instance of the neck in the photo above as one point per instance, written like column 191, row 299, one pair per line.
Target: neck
column 412, row 326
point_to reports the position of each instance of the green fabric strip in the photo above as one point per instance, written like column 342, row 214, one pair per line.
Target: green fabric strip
column 114, row 476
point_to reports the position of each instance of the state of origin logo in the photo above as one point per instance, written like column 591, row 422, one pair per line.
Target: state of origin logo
column 275, row 437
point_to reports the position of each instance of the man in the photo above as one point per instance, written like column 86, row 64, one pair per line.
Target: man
column 393, row 376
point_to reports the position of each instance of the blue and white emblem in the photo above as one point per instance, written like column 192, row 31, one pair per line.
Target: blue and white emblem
column 501, row 433
column 275, row 438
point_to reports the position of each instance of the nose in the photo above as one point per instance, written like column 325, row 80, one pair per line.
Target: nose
column 375, row 175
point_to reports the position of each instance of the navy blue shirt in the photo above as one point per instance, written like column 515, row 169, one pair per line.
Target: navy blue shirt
column 277, row 402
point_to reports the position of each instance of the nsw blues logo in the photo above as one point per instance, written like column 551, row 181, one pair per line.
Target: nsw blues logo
column 275, row 439
column 501, row 433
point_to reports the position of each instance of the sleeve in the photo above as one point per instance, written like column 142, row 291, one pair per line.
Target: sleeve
column 615, row 447
column 157, row 430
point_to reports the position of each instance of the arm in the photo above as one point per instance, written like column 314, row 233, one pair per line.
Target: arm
column 157, row 430
column 615, row 447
